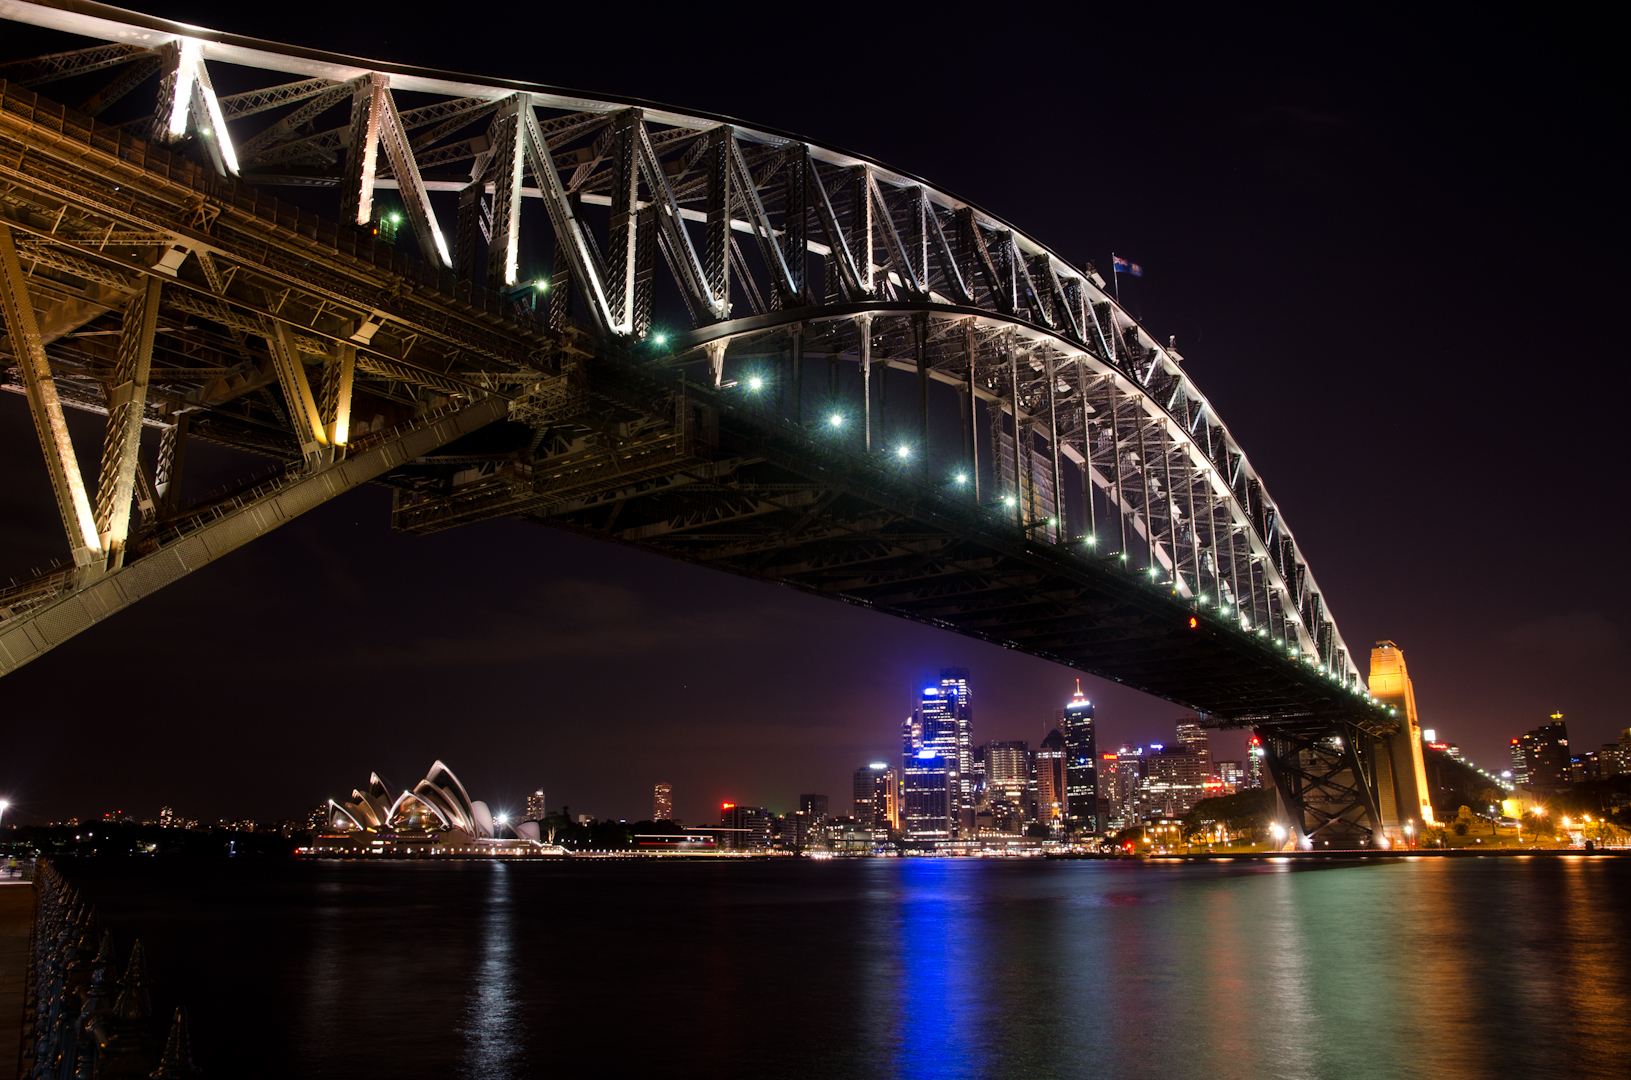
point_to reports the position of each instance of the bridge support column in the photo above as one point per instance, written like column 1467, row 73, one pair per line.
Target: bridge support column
column 920, row 345
column 1326, row 779
column 971, row 408
column 797, row 331
column 1404, row 796
column 863, row 328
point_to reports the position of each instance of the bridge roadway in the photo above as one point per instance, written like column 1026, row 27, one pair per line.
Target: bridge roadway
column 886, row 395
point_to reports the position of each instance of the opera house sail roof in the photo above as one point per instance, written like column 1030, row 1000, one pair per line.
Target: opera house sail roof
column 439, row 802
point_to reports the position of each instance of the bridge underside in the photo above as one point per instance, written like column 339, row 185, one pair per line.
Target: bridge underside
column 1095, row 510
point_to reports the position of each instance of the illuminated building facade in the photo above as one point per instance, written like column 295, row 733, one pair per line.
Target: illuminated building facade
column 662, row 801
column 814, row 805
column 536, row 810
column 1231, row 774
column 1255, row 766
column 877, row 795
column 1546, row 756
column 1006, row 806
column 1049, row 766
column 929, row 797
column 943, row 723
column 1081, row 765
column 744, row 828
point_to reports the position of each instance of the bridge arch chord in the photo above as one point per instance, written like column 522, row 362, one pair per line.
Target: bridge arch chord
column 747, row 220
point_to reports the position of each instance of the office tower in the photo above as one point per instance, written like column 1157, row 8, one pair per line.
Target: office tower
column 1256, row 766
column 662, row 801
column 167, row 817
column 1008, row 770
column 876, row 798
column 943, row 723
column 1081, row 765
column 793, row 830
column 1520, row 764
column 1194, row 738
column 1231, row 774
column 1546, row 756
column 535, row 806
column 1174, row 780
column 813, row 805
column 1050, row 780
column 744, row 827
column 929, row 797
column 1125, row 801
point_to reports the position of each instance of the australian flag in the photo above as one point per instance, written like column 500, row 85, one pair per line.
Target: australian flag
column 1124, row 266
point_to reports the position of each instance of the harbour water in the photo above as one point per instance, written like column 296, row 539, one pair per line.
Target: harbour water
column 888, row 967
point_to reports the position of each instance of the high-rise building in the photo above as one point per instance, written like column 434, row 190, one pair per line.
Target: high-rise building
column 793, row 831
column 1546, row 756
column 1520, row 764
column 1127, row 785
column 928, row 797
column 1050, row 780
column 813, row 805
column 662, row 801
column 1616, row 756
column 1081, row 765
column 1008, row 776
column 877, row 796
column 1256, row 764
column 943, row 723
column 744, row 827
column 1175, row 780
column 535, row 806
column 1231, row 774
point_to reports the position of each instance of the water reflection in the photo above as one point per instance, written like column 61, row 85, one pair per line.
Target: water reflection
column 494, row 1041
column 893, row 968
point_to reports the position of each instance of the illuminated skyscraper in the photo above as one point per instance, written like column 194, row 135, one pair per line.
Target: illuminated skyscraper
column 1081, row 765
column 928, row 797
column 876, row 798
column 1255, row 768
column 1545, row 753
column 813, row 805
column 943, row 722
column 662, row 802
column 1008, row 778
column 744, row 826
column 1050, row 780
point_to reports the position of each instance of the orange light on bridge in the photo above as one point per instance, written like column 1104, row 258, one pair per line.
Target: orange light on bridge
column 1194, row 623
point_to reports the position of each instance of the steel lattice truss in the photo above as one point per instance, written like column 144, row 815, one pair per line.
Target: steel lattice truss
column 1106, row 517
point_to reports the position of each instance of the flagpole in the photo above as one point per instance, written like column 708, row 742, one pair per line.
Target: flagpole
column 1115, row 275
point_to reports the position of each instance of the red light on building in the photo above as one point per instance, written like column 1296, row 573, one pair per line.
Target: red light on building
column 727, row 806
column 1108, row 757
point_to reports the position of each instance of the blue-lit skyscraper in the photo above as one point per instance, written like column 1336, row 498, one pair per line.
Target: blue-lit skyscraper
column 937, row 752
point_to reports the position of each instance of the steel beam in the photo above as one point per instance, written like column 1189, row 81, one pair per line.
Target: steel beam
column 226, row 529
column 127, row 404
column 66, row 481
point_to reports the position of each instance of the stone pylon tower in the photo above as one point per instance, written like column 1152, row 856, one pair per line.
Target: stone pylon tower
column 1402, row 795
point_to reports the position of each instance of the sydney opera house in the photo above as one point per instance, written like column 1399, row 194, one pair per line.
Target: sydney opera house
column 436, row 818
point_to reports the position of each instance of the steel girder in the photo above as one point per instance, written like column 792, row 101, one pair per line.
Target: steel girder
column 1064, row 383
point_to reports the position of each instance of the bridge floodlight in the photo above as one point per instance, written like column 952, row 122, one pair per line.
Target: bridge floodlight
column 659, row 338
column 903, row 452
column 962, row 478
column 836, row 420
column 756, row 383
column 1008, row 500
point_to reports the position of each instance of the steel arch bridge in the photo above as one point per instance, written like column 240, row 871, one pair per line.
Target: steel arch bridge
column 887, row 395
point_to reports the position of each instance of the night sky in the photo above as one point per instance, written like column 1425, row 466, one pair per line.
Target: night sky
column 1391, row 250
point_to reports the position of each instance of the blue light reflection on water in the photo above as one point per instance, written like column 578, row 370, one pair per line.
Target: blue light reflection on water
column 890, row 968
